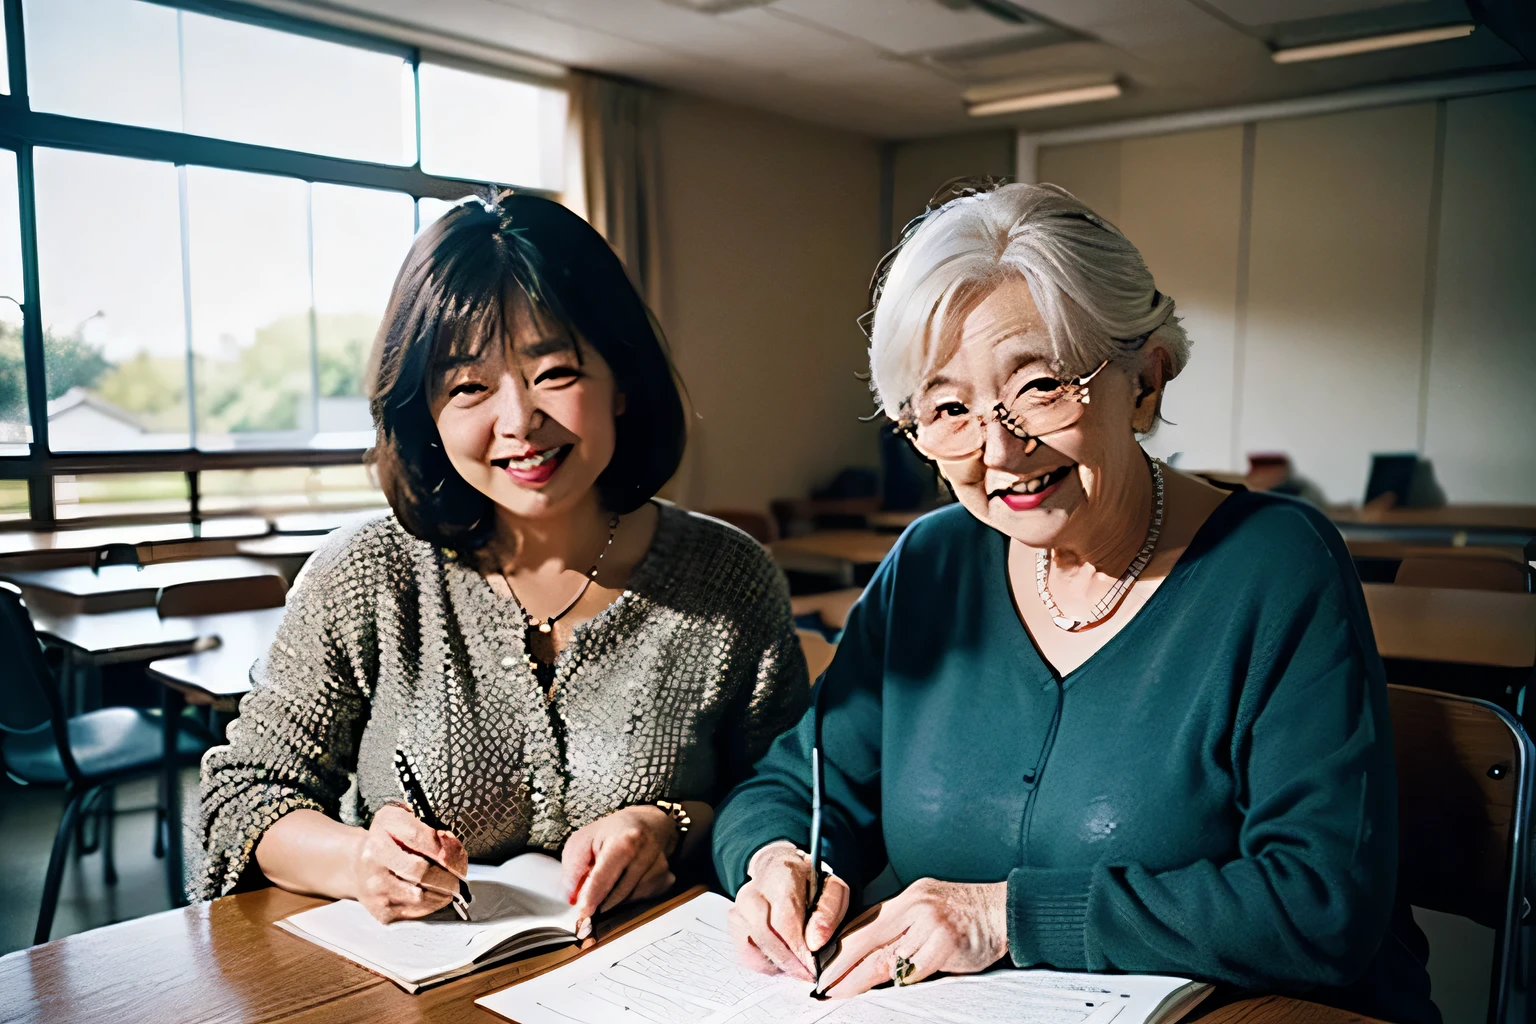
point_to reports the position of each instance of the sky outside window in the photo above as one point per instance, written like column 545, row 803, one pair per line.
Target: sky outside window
column 154, row 66
column 109, row 264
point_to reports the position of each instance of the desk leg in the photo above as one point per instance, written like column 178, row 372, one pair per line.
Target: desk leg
column 171, row 704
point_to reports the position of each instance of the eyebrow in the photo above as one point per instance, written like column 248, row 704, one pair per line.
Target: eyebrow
column 547, row 346
column 443, row 364
column 936, row 381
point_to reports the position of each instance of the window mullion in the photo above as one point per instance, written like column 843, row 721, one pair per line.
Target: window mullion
column 186, row 300
column 16, row 51
column 314, row 324
column 40, row 487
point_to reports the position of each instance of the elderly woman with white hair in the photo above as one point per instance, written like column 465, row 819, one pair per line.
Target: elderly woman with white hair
column 1098, row 714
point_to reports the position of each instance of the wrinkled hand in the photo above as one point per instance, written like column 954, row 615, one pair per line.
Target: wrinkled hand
column 767, row 921
column 393, row 874
column 958, row 928
column 620, row 856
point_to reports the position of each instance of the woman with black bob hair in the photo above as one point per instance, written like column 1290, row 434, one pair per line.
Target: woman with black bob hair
column 563, row 663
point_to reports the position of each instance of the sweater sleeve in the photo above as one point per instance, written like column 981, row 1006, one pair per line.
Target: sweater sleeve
column 1307, row 899
column 775, row 803
column 294, row 744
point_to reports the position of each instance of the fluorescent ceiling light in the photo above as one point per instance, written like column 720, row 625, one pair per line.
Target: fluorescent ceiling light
column 1040, row 100
column 1349, row 47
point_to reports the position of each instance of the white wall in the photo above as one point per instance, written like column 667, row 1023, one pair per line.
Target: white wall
column 1385, row 299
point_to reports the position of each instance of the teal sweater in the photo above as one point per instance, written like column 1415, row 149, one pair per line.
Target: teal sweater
column 1212, row 794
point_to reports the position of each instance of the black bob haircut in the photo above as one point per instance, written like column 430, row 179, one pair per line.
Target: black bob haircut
column 453, row 296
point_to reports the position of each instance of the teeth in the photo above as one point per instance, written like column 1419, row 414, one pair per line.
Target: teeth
column 1036, row 484
column 534, row 460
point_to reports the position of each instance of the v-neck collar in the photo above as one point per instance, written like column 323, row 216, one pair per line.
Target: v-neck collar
column 1023, row 641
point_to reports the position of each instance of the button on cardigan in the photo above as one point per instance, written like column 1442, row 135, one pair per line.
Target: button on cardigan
column 1212, row 794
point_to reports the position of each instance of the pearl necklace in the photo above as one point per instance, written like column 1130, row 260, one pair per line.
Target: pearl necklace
column 1110, row 601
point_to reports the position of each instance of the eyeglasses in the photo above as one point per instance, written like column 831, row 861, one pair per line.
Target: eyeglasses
column 949, row 432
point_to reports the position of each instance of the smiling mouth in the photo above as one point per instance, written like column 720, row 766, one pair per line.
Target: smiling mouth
column 1035, row 484
column 533, row 460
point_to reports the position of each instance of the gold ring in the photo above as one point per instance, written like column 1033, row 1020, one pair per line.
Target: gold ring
column 902, row 971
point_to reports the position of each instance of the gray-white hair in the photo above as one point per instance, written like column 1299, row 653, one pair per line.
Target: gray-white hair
column 1093, row 289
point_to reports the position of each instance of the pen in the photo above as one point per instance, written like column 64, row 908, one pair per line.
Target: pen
column 417, row 797
column 816, row 785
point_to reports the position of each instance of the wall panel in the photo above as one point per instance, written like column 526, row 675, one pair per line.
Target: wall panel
column 1089, row 170
column 1181, row 204
column 1480, row 423
column 1335, row 327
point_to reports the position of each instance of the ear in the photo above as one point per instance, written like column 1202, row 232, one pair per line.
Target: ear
column 1149, row 391
column 619, row 403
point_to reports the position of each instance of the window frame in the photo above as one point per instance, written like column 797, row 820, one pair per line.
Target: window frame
column 22, row 130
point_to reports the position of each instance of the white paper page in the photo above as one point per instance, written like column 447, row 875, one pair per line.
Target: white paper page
column 681, row 969
column 519, row 896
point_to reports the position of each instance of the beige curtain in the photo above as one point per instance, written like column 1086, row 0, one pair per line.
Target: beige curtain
column 613, row 166
column 613, row 162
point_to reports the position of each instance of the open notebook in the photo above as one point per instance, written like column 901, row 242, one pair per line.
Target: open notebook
column 681, row 969
column 518, row 906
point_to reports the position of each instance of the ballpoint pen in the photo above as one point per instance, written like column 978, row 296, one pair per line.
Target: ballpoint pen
column 417, row 797
column 816, row 787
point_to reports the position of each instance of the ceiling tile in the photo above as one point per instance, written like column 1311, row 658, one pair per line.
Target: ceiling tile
column 908, row 26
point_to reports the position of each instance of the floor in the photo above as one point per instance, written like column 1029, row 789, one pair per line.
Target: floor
column 1461, row 951
column 28, row 818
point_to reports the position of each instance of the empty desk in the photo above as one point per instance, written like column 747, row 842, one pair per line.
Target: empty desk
column 78, row 588
column 833, row 552
column 221, row 672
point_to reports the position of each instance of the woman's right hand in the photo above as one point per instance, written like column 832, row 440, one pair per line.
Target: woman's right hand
column 393, row 871
column 767, row 922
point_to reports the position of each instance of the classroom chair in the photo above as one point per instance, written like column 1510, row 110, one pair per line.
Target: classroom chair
column 1464, row 779
column 115, row 554
column 85, row 753
column 219, row 597
column 1462, row 573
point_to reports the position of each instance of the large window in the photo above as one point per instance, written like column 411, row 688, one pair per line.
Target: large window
column 219, row 205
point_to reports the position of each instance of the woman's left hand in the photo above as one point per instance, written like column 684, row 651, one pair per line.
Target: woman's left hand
column 955, row 927
column 620, row 856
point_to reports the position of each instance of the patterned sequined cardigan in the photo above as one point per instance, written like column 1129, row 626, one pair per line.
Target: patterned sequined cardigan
column 672, row 692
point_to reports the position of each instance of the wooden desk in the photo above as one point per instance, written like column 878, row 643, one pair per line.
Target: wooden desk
column 1472, row 627
column 832, row 606
column 219, row 673
column 92, row 537
column 893, row 522
column 287, row 552
column 1511, row 517
column 224, row 962
column 833, row 552
column 79, row 589
column 1376, row 548
column 1279, row 1010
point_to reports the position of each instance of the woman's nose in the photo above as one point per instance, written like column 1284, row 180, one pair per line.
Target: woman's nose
column 1002, row 447
column 516, row 413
